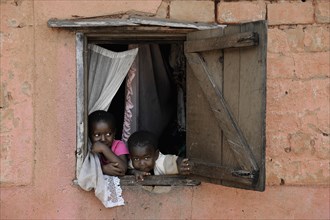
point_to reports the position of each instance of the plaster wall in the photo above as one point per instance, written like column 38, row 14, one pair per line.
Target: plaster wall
column 38, row 122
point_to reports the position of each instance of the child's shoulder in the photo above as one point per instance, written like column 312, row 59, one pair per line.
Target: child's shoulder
column 118, row 141
column 166, row 157
column 166, row 164
column 119, row 147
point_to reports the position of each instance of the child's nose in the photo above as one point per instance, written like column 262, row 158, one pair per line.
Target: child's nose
column 102, row 137
column 142, row 162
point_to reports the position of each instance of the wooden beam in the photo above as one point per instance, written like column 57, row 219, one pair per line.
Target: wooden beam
column 130, row 21
column 245, row 39
column 215, row 171
column 81, row 103
column 161, row 180
column 222, row 113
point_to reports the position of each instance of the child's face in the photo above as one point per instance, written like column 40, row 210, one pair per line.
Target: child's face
column 143, row 158
column 103, row 132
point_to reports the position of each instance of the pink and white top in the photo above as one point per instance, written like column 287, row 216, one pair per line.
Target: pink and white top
column 118, row 147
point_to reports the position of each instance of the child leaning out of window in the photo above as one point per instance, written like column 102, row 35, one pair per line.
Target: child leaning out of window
column 147, row 160
column 101, row 130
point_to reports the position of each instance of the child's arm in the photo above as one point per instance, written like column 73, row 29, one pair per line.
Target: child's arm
column 117, row 165
column 115, row 169
column 184, row 166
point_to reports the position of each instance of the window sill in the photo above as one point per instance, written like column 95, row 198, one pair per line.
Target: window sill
column 163, row 180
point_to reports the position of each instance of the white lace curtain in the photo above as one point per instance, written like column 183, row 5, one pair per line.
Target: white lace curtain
column 107, row 70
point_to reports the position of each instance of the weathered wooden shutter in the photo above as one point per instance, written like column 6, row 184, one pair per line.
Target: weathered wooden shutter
column 226, row 104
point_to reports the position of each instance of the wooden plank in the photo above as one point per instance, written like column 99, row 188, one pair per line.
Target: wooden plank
column 215, row 171
column 161, row 180
column 78, row 23
column 135, row 31
column 245, row 96
column 201, row 143
column 252, row 109
column 209, row 33
column 81, row 102
column 231, row 91
column 245, row 39
column 173, row 23
column 222, row 113
column 130, row 21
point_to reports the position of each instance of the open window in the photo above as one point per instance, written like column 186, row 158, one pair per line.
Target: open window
column 225, row 93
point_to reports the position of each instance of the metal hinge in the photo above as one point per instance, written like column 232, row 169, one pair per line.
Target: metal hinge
column 244, row 174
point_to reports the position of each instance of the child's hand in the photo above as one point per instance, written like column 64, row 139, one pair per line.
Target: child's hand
column 139, row 175
column 184, row 166
column 113, row 169
column 99, row 147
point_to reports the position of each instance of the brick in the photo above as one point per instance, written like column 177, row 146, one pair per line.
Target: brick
column 322, row 11
column 278, row 126
column 296, row 144
column 295, row 37
column 300, row 38
column 283, row 123
column 290, row 13
column 297, row 96
column 296, row 172
column 280, row 66
column 312, row 65
column 318, row 120
column 193, row 11
column 162, row 11
column 277, row 41
column 298, row 119
column 44, row 10
column 317, row 38
column 304, row 145
column 237, row 12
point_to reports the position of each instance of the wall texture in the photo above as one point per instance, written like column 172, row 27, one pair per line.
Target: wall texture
column 38, row 125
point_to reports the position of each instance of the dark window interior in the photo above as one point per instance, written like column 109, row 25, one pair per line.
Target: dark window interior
column 172, row 140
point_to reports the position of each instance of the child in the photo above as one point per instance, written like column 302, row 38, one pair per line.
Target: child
column 147, row 160
column 101, row 131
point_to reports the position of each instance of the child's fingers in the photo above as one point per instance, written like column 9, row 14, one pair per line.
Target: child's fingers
column 185, row 167
column 185, row 162
column 141, row 176
column 115, row 164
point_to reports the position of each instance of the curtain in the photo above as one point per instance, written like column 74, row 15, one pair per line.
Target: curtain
column 156, row 99
column 107, row 70
column 155, row 96
column 150, row 93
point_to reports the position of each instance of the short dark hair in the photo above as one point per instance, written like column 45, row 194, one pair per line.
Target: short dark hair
column 142, row 139
column 101, row 115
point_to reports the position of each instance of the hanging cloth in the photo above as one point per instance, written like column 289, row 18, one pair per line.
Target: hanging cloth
column 107, row 70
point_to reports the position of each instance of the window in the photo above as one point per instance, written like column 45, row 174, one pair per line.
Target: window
column 226, row 96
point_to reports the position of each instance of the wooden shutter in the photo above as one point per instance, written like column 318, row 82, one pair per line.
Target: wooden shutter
column 226, row 104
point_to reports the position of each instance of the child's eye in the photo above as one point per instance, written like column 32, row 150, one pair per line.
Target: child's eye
column 136, row 159
column 96, row 135
column 147, row 158
column 108, row 134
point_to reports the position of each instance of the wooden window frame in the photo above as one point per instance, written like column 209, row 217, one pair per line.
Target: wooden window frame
column 126, row 35
column 130, row 31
